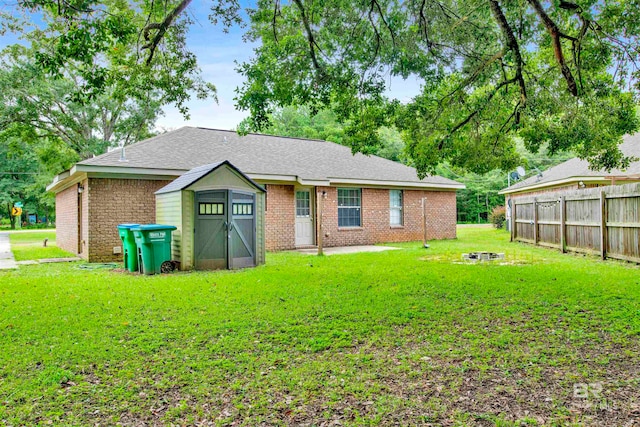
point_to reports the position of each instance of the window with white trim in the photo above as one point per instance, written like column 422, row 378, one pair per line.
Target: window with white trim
column 395, row 207
column 349, row 207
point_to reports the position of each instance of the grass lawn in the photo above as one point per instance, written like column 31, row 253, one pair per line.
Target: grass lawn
column 28, row 245
column 407, row 337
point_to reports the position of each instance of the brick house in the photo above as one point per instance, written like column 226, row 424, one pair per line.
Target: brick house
column 575, row 174
column 364, row 199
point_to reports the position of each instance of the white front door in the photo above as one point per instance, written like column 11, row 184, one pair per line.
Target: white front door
column 304, row 218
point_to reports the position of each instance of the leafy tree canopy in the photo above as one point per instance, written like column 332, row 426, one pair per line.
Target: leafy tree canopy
column 561, row 74
column 35, row 107
column 301, row 122
column 79, row 83
column 129, row 49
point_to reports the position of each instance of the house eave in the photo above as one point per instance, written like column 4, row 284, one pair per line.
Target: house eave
column 556, row 183
column 395, row 184
column 64, row 179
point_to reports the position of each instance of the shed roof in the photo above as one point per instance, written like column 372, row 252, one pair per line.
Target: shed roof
column 260, row 155
column 578, row 169
column 195, row 174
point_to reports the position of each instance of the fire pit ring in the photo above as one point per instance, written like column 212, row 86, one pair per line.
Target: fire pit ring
column 482, row 256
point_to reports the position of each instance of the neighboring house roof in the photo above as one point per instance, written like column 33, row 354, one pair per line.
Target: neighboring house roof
column 261, row 157
column 578, row 170
column 195, row 174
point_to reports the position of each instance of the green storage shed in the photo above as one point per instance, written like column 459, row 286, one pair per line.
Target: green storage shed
column 219, row 215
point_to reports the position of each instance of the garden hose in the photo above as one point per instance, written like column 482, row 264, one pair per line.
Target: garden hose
column 98, row 266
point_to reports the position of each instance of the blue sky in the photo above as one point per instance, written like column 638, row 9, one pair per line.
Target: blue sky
column 217, row 53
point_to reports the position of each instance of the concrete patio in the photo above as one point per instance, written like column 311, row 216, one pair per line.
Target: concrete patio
column 347, row 250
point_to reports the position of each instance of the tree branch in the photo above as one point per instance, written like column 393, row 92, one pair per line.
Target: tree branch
column 556, row 35
column 310, row 37
column 513, row 45
column 162, row 28
column 479, row 109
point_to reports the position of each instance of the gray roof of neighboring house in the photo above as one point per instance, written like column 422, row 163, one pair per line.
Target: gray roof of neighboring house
column 194, row 175
column 580, row 168
column 256, row 154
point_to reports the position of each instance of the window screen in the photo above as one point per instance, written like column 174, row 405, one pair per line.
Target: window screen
column 395, row 207
column 349, row 207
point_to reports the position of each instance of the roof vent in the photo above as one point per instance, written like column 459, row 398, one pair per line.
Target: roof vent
column 123, row 156
column 225, row 139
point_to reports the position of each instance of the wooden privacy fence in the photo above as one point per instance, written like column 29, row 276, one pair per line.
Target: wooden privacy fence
column 602, row 220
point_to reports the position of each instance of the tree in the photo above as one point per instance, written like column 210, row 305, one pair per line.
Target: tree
column 301, row 122
column 480, row 195
column 126, row 50
column 35, row 107
column 562, row 74
column 17, row 175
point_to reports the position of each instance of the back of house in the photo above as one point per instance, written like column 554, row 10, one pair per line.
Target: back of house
column 361, row 199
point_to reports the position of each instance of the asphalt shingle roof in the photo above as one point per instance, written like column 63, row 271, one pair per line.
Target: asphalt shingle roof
column 580, row 168
column 255, row 154
column 188, row 178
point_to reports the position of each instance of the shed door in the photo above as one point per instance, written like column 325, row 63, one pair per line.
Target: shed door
column 225, row 231
column 242, row 230
column 210, row 239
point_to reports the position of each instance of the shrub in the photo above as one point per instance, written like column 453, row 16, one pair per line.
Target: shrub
column 498, row 216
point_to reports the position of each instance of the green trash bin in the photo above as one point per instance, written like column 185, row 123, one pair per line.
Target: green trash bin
column 129, row 248
column 154, row 248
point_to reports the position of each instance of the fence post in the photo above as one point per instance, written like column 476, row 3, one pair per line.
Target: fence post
column 535, row 220
column 513, row 218
column 563, row 230
column 603, row 225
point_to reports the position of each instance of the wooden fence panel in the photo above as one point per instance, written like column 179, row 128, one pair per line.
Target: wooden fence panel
column 583, row 237
column 524, row 225
column 623, row 243
column 548, row 222
column 623, row 227
column 524, row 231
column 603, row 220
column 583, row 211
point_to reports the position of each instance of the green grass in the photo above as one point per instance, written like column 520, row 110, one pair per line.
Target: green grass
column 407, row 337
column 28, row 245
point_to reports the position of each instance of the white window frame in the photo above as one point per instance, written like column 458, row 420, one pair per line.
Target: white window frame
column 397, row 209
column 346, row 208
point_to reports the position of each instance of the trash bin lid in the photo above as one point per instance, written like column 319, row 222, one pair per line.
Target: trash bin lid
column 152, row 227
column 128, row 225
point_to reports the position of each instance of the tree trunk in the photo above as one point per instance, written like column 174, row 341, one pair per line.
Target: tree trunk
column 12, row 219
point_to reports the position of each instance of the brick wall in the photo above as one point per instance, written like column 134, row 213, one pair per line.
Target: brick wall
column 280, row 219
column 117, row 201
column 109, row 202
column 441, row 217
column 67, row 219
